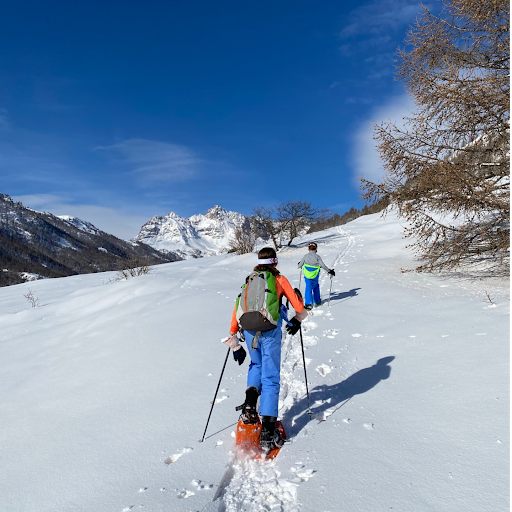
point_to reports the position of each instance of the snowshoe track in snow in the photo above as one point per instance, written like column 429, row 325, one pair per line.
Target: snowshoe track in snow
column 251, row 485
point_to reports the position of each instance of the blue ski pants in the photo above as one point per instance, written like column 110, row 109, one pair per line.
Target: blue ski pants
column 312, row 293
column 265, row 368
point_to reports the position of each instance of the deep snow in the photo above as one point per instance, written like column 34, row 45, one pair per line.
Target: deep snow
column 106, row 387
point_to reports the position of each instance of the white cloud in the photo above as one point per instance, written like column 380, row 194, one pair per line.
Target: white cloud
column 366, row 159
column 156, row 161
column 116, row 222
column 379, row 17
column 372, row 31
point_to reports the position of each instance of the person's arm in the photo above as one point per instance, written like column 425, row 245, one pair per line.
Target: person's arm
column 234, row 322
column 301, row 261
column 296, row 300
column 285, row 288
column 322, row 264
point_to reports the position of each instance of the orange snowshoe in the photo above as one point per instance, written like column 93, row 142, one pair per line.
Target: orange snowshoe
column 247, row 440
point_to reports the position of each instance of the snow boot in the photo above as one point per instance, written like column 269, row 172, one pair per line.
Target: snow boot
column 249, row 414
column 309, row 307
column 270, row 436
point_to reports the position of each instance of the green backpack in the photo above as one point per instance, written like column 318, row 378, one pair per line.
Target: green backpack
column 257, row 306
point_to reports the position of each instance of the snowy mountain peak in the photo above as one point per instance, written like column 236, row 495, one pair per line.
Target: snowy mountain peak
column 193, row 237
column 216, row 212
column 80, row 224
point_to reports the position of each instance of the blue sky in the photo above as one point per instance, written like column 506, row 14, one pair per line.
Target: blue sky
column 118, row 111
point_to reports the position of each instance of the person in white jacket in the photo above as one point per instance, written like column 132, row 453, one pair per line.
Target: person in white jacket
column 311, row 264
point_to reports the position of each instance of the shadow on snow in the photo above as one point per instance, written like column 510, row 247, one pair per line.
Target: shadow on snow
column 296, row 418
column 338, row 297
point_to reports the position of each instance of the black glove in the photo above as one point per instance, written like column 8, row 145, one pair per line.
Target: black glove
column 331, row 272
column 297, row 292
column 239, row 355
column 292, row 329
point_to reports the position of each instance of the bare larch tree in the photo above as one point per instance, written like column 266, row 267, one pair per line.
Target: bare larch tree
column 242, row 241
column 265, row 217
column 448, row 170
column 295, row 215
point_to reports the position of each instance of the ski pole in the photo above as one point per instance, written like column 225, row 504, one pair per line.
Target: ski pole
column 300, row 278
column 330, row 294
column 305, row 374
column 215, row 397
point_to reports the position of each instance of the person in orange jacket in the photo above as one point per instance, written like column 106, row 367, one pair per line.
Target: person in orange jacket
column 263, row 378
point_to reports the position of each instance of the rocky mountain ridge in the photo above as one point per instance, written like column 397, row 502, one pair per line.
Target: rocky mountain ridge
column 195, row 236
column 38, row 244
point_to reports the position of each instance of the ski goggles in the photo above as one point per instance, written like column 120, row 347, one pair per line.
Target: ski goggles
column 267, row 261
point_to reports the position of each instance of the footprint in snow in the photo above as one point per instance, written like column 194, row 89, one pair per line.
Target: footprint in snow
column 368, row 426
column 176, row 456
column 308, row 325
column 185, row 493
column 323, row 369
column 324, row 415
column 201, row 486
column 221, row 399
column 356, row 335
column 330, row 333
column 143, row 489
column 302, row 474
column 310, row 341
column 173, row 458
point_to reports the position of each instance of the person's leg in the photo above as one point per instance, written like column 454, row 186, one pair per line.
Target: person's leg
column 254, row 373
column 270, row 343
column 249, row 413
column 316, row 290
column 308, row 294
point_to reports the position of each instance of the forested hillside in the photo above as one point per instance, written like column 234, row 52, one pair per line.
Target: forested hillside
column 45, row 245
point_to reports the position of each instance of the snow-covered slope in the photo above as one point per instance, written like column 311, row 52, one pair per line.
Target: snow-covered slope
column 199, row 235
column 82, row 225
column 105, row 389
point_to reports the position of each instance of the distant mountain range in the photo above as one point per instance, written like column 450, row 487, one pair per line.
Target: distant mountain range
column 192, row 237
column 36, row 244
